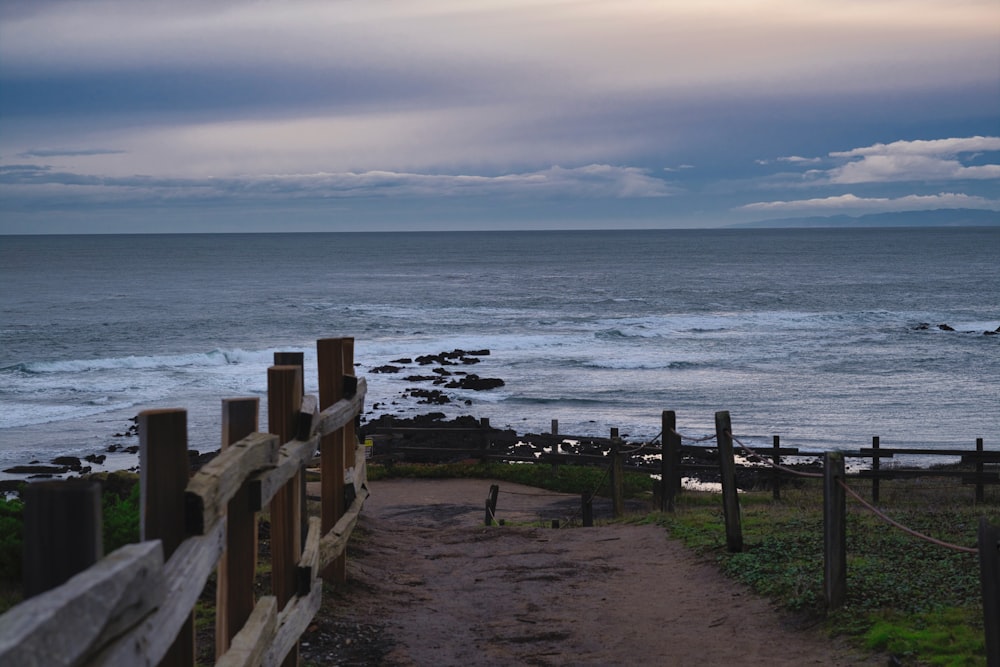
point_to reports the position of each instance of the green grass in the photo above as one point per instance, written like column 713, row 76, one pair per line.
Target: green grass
column 917, row 601
column 562, row 479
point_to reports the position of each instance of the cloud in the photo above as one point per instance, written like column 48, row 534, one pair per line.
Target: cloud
column 590, row 181
column 932, row 160
column 853, row 203
column 65, row 152
column 942, row 147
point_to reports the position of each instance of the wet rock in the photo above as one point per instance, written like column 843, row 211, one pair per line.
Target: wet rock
column 475, row 383
column 945, row 327
column 38, row 469
column 386, row 369
column 71, row 462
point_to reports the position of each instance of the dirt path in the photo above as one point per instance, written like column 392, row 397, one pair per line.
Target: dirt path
column 432, row 585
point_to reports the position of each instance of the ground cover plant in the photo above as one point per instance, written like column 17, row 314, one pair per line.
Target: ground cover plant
column 917, row 601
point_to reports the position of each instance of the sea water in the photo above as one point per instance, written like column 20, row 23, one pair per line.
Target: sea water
column 815, row 335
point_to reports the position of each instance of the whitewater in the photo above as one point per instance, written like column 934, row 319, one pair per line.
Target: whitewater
column 825, row 337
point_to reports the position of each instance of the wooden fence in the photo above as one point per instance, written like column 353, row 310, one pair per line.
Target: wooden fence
column 134, row 606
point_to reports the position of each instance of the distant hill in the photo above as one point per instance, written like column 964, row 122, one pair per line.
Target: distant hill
column 954, row 217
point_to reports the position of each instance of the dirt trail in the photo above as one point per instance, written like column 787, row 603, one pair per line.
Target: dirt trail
column 431, row 585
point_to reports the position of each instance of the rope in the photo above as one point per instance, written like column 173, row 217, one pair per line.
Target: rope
column 528, row 493
column 690, row 439
column 754, row 455
column 909, row 531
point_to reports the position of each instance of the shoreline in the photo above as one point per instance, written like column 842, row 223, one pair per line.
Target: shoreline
column 441, row 380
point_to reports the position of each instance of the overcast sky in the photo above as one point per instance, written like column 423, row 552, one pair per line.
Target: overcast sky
column 123, row 116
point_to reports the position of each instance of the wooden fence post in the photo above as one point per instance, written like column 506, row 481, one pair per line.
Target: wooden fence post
column 876, row 465
column 330, row 363
column 234, row 598
column 163, row 475
column 284, row 399
column 989, row 569
column 298, row 359
column 979, row 471
column 350, row 437
column 775, row 472
column 727, row 468
column 555, row 427
column 617, row 476
column 587, row 509
column 834, row 531
column 670, row 459
column 62, row 532
column 491, row 504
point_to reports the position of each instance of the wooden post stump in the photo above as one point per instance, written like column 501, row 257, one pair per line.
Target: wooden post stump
column 876, row 465
column 491, row 505
column 62, row 532
column 587, row 509
column 670, row 460
column 834, row 531
column 776, row 473
column 727, row 468
column 163, row 475
column 617, row 477
column 330, row 363
column 284, row 399
column 989, row 569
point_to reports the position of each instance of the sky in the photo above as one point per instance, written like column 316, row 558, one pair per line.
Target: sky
column 369, row 115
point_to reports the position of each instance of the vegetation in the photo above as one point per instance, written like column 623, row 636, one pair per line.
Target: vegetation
column 917, row 601
column 562, row 479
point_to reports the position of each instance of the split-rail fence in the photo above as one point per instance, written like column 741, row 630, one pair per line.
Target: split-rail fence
column 135, row 605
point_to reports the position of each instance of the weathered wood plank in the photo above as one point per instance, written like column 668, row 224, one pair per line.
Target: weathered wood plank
column 248, row 647
column 234, row 590
column 61, row 626
column 306, row 570
column 292, row 622
column 185, row 575
column 212, row 487
column 334, row 542
column 291, row 457
column 308, row 414
column 340, row 413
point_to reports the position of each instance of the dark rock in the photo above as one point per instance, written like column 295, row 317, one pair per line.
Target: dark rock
column 404, row 360
column 430, row 396
column 478, row 353
column 945, row 327
column 37, row 470
column 475, row 383
column 421, row 378
column 71, row 462
column 11, row 486
column 441, row 371
column 95, row 458
column 198, row 459
column 923, row 326
column 386, row 369
column 991, row 333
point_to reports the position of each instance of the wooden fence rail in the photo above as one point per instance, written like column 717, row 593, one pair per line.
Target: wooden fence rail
column 132, row 606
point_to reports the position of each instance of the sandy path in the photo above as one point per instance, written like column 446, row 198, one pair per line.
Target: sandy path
column 444, row 589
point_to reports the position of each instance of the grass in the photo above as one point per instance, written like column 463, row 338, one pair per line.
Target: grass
column 917, row 601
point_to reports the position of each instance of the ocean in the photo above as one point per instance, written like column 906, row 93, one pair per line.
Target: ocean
column 825, row 337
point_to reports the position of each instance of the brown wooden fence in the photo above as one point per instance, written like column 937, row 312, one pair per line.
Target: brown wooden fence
column 134, row 606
